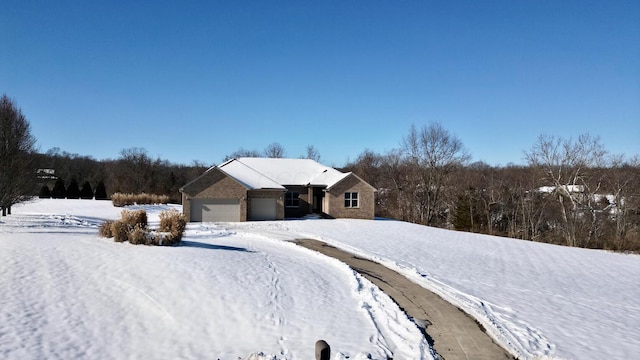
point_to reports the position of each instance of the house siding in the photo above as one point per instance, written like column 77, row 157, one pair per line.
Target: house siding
column 334, row 199
column 214, row 185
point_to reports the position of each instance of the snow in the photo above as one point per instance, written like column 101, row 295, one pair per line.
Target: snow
column 568, row 188
column 284, row 171
column 240, row 289
column 66, row 293
column 538, row 300
column 249, row 177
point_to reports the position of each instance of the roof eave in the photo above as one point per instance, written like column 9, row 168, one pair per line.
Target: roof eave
column 197, row 178
column 346, row 176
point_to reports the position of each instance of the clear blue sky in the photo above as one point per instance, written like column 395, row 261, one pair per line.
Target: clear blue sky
column 198, row 80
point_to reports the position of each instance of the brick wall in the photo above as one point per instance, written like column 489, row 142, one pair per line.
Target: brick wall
column 214, row 185
column 334, row 199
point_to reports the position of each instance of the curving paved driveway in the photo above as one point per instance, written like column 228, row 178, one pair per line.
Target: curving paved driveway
column 450, row 331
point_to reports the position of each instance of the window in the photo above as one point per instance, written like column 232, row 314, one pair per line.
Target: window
column 292, row 199
column 351, row 199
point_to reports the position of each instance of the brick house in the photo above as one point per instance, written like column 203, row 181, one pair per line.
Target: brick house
column 273, row 189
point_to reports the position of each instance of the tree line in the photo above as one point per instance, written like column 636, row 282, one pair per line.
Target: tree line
column 58, row 174
column 571, row 192
column 134, row 171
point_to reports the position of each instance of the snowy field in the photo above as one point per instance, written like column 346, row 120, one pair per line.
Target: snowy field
column 538, row 300
column 69, row 294
column 235, row 289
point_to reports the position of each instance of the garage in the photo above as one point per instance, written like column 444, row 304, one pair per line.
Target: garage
column 263, row 209
column 215, row 210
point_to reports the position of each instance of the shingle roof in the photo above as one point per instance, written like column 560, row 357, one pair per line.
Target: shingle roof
column 273, row 173
column 247, row 176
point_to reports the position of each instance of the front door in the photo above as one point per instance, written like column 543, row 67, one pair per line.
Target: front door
column 318, row 197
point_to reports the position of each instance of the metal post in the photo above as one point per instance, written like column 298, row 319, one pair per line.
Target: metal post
column 323, row 350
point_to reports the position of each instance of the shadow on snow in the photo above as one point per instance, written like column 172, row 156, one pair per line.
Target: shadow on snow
column 196, row 244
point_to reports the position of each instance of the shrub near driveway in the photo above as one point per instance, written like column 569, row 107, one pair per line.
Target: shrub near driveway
column 119, row 231
column 139, row 235
column 132, row 227
column 105, row 229
column 174, row 223
column 133, row 218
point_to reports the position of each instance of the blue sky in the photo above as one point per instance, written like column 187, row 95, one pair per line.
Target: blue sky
column 196, row 80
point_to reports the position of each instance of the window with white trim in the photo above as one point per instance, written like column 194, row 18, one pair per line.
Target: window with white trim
column 351, row 199
column 292, row 199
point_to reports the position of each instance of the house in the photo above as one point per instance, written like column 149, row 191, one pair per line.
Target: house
column 273, row 189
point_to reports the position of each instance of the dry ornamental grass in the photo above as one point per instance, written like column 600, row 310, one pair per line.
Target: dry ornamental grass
column 133, row 227
column 119, row 231
column 120, row 199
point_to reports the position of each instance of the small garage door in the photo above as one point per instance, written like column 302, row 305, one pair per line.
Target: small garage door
column 213, row 210
column 264, row 209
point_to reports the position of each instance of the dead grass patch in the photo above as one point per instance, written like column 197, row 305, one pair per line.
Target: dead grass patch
column 133, row 227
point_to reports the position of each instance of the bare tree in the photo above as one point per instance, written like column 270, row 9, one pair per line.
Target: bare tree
column 134, row 172
column 395, row 195
column 16, row 155
column 434, row 154
column 478, row 199
column 312, row 153
column 623, row 183
column 241, row 153
column 565, row 166
column 367, row 166
column 274, row 150
column 524, row 209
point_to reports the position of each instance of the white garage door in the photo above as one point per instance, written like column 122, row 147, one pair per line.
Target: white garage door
column 213, row 210
column 264, row 209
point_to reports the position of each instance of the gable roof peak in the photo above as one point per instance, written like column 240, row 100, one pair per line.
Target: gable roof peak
column 284, row 171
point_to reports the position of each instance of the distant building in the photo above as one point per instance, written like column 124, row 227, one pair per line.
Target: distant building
column 46, row 174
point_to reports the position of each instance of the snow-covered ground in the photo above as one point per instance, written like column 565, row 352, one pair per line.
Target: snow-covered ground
column 67, row 293
column 235, row 289
column 538, row 300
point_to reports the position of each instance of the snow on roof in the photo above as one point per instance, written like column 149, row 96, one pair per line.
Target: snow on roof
column 568, row 188
column 249, row 177
column 329, row 178
column 272, row 173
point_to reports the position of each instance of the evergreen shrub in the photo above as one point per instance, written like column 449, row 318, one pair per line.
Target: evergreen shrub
column 86, row 192
column 101, row 192
column 73, row 191
column 59, row 191
column 45, row 193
